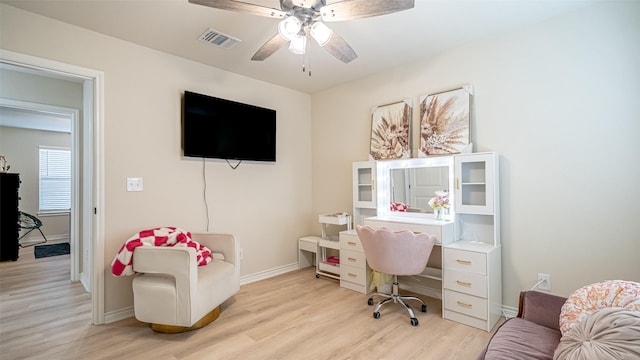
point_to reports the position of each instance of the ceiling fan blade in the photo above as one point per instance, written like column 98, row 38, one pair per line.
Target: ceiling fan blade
column 271, row 46
column 356, row 9
column 340, row 49
column 242, row 7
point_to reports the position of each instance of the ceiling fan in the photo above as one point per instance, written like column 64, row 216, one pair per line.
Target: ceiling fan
column 301, row 18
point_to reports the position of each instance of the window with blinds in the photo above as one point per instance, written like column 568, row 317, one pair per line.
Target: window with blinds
column 55, row 179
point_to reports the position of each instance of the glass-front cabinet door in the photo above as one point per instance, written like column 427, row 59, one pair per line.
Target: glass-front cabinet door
column 475, row 183
column 364, row 184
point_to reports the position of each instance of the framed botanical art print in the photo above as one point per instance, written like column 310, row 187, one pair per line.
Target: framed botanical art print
column 390, row 131
column 444, row 122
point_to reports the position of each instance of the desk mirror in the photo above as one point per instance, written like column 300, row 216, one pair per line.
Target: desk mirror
column 412, row 182
column 416, row 186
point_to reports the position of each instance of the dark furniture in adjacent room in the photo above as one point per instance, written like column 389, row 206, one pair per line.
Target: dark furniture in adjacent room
column 9, row 214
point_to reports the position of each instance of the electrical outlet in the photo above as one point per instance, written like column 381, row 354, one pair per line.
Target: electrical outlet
column 544, row 281
column 241, row 254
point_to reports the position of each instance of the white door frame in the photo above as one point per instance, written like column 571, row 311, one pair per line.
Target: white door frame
column 93, row 89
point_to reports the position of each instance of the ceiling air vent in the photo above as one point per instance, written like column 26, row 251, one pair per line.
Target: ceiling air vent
column 216, row 38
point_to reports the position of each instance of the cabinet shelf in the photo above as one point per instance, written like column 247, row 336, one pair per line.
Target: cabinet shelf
column 364, row 190
column 476, row 179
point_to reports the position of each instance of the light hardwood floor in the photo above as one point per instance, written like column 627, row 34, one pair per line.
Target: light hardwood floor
column 291, row 316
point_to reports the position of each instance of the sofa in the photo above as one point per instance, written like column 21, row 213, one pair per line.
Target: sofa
column 597, row 322
column 533, row 334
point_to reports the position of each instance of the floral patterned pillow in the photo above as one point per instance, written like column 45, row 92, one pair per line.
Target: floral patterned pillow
column 604, row 294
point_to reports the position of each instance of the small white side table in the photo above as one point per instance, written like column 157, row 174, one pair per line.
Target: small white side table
column 307, row 250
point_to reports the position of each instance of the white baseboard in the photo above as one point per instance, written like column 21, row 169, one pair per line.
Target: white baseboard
column 509, row 311
column 84, row 280
column 430, row 292
column 117, row 315
column 247, row 279
column 36, row 237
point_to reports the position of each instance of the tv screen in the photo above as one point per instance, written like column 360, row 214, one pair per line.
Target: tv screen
column 225, row 129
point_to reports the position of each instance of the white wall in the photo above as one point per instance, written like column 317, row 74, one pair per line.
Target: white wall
column 21, row 148
column 559, row 102
column 265, row 205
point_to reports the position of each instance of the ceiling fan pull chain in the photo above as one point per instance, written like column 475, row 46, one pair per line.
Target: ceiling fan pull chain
column 308, row 58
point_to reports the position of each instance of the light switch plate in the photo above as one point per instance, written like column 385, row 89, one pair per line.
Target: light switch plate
column 134, row 184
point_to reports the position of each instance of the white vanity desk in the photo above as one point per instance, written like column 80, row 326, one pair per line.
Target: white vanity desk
column 465, row 266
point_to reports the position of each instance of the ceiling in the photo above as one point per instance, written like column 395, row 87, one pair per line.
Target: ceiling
column 383, row 42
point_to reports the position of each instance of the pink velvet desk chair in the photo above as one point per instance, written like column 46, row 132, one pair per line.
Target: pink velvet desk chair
column 397, row 253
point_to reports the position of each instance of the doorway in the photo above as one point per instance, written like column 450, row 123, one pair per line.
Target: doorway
column 87, row 210
column 37, row 127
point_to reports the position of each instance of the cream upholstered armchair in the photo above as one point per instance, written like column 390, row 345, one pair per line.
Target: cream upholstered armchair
column 174, row 294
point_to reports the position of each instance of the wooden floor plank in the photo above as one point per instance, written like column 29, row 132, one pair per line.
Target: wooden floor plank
column 292, row 316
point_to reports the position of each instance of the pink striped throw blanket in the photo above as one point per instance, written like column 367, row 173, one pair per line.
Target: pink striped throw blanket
column 162, row 236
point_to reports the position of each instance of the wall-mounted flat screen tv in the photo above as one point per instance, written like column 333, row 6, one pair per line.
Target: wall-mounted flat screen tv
column 225, row 129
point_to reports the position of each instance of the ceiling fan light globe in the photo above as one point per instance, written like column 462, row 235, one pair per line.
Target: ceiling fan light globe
column 298, row 44
column 289, row 27
column 321, row 33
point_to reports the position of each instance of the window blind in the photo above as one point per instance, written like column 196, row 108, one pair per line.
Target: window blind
column 55, row 179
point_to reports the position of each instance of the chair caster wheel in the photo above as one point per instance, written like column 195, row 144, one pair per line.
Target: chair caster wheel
column 317, row 276
column 414, row 322
column 424, row 308
column 376, row 315
column 370, row 301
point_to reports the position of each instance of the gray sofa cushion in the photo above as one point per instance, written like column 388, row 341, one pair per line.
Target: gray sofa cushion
column 522, row 339
column 609, row 333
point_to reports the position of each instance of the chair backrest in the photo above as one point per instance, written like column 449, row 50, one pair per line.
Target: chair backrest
column 395, row 252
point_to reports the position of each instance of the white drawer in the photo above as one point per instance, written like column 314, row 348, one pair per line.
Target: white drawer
column 465, row 304
column 353, row 275
column 465, row 319
column 361, row 288
column 353, row 258
column 465, row 282
column 464, row 260
column 350, row 242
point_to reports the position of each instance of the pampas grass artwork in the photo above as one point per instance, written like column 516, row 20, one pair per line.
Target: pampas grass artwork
column 444, row 122
column 390, row 131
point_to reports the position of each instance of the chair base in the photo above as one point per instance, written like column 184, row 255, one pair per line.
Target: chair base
column 23, row 244
column 172, row 329
column 397, row 298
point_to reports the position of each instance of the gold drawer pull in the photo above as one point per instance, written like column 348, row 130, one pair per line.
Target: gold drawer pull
column 352, row 275
column 466, row 262
column 351, row 259
column 463, row 283
column 351, row 243
column 464, row 304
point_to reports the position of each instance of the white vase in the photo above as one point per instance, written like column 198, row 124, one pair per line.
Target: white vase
column 437, row 214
